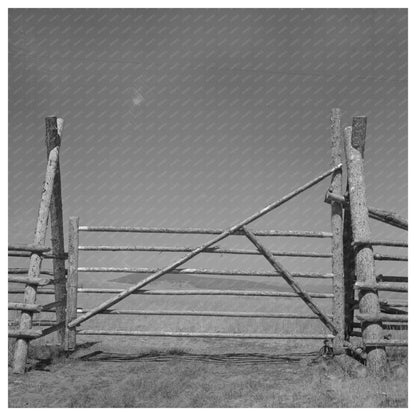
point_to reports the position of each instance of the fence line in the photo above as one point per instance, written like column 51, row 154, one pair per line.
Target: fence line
column 211, row 250
column 211, row 231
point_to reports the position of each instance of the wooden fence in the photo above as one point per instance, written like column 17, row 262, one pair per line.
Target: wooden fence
column 351, row 255
column 50, row 207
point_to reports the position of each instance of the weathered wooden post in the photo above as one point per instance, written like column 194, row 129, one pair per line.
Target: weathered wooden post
column 54, row 128
column 338, row 305
column 349, row 271
column 72, row 283
column 354, row 141
column 22, row 344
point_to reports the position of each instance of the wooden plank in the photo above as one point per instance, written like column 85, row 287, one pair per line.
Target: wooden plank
column 22, row 344
column 27, row 307
column 52, row 305
column 270, row 293
column 210, row 231
column 291, row 282
column 212, row 292
column 382, row 286
column 203, row 313
column 27, row 254
column 209, row 250
column 354, row 141
column 401, row 279
column 395, row 303
column 31, row 248
column 72, row 293
column 202, row 334
column 388, row 343
column 112, row 301
column 387, row 217
column 338, row 305
column 382, row 317
column 34, row 281
column 53, row 328
column 25, row 334
column 203, row 272
column 54, row 127
column 390, row 257
column 388, row 243
column 20, row 270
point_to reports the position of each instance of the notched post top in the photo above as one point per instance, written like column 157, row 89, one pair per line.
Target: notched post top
column 359, row 130
column 54, row 127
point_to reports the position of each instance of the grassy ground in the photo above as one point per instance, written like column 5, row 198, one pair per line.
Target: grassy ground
column 163, row 378
column 181, row 372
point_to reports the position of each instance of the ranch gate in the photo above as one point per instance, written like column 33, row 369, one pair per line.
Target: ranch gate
column 356, row 287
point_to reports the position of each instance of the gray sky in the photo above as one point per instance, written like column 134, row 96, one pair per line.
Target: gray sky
column 198, row 118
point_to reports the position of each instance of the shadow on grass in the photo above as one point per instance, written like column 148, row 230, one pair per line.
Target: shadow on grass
column 178, row 354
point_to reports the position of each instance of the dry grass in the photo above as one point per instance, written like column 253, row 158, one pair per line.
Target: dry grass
column 182, row 383
column 179, row 382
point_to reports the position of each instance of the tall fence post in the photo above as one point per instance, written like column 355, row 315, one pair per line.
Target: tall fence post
column 72, row 282
column 338, row 304
column 54, row 128
column 354, row 140
column 22, row 344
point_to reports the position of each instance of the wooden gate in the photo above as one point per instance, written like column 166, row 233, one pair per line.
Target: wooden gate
column 240, row 228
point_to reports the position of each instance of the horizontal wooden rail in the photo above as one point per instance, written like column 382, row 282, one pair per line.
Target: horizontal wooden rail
column 202, row 271
column 389, row 287
column 384, row 317
column 210, row 231
column 201, row 334
column 397, row 326
column 43, row 322
column 390, row 257
column 31, row 248
column 25, row 333
column 44, row 255
column 388, row 343
column 203, row 313
column 34, row 307
column 19, row 270
column 27, row 307
column 270, row 293
column 387, row 217
column 34, row 281
column 209, row 250
column 383, row 278
column 387, row 243
column 394, row 303
column 40, row 291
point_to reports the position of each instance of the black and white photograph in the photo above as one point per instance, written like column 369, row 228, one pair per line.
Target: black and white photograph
column 207, row 207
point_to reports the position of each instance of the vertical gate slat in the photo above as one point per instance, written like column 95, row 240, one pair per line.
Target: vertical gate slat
column 72, row 282
column 338, row 306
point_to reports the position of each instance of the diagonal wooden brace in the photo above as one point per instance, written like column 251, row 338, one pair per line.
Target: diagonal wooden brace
column 291, row 281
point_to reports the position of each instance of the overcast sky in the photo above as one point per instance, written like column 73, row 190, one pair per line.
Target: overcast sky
column 198, row 118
